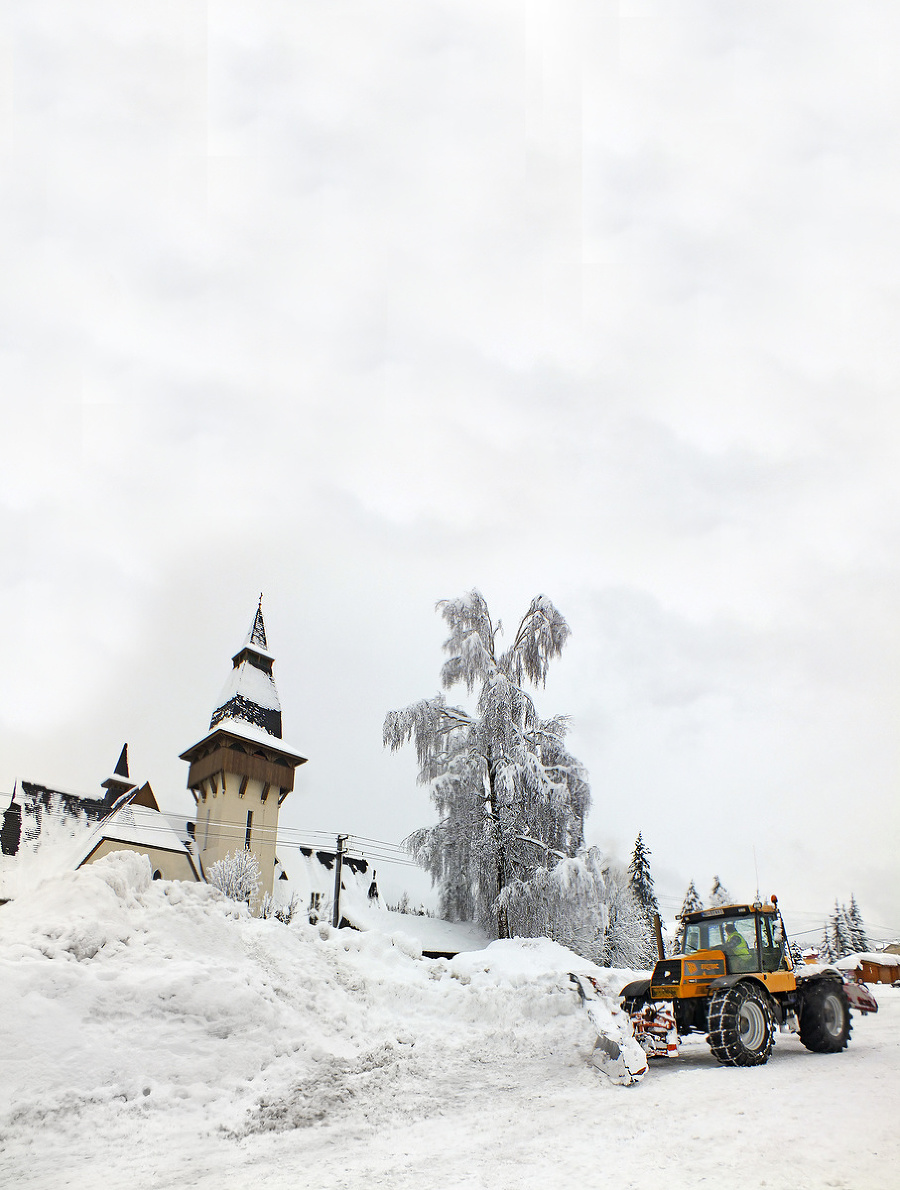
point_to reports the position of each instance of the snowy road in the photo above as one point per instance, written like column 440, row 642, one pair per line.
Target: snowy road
column 151, row 1037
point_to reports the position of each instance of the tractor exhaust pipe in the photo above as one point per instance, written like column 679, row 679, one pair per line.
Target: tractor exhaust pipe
column 660, row 945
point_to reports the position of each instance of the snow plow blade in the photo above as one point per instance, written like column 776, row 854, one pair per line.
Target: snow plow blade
column 616, row 1052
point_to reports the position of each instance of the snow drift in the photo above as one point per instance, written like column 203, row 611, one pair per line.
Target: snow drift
column 153, row 1034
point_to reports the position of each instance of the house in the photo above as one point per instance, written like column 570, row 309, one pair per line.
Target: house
column 308, row 873
column 871, row 967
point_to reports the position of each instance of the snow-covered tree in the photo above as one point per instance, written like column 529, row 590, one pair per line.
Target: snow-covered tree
column 859, row 939
column 641, row 884
column 237, row 875
column 719, row 894
column 825, row 954
column 640, row 880
column 838, row 933
column 690, row 904
column 586, row 904
column 511, row 798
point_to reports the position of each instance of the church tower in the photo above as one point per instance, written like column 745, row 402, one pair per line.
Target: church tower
column 241, row 771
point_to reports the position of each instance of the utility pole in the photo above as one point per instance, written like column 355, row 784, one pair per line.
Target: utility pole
column 338, row 863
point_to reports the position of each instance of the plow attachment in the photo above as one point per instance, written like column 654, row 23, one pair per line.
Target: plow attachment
column 616, row 1051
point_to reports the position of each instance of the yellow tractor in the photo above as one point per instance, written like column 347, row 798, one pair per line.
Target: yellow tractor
column 735, row 981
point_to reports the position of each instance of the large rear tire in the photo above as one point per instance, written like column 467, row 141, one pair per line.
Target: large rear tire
column 825, row 1018
column 741, row 1025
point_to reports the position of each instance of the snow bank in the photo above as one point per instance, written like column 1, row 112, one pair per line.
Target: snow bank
column 126, row 998
column 153, row 1034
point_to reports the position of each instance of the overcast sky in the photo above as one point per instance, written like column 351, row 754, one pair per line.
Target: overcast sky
column 364, row 304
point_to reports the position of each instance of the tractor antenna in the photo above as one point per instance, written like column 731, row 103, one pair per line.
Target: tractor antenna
column 756, row 868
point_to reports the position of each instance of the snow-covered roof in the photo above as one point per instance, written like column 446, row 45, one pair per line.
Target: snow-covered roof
column 430, row 934
column 255, row 735
column 41, row 808
column 852, row 962
column 139, row 826
column 253, row 684
column 303, row 870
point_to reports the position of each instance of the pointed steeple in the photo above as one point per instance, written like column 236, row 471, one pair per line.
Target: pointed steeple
column 121, row 769
column 250, row 695
column 119, row 782
column 257, row 634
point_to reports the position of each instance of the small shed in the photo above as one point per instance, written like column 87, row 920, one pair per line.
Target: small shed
column 868, row 967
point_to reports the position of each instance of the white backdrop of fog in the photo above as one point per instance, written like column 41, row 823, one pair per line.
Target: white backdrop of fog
column 362, row 305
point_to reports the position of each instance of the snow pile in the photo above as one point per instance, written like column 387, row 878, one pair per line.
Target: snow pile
column 154, row 1034
column 63, row 842
column 129, row 999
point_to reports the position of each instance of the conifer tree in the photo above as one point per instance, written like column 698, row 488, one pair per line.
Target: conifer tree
column 690, row 904
column 858, row 937
column 511, row 798
column 640, row 880
column 719, row 894
column 640, row 883
column 838, row 934
column 825, row 954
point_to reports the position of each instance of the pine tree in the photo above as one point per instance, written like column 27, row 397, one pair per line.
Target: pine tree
column 839, row 934
column 825, row 953
column 640, row 883
column 511, row 799
column 640, row 880
column 690, row 904
column 858, row 937
column 719, row 895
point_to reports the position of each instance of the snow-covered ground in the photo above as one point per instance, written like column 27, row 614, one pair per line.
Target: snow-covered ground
column 153, row 1035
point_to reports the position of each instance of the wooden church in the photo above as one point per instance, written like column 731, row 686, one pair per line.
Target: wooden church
column 240, row 773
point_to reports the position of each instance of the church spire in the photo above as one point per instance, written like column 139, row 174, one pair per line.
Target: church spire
column 257, row 634
column 119, row 782
column 250, row 695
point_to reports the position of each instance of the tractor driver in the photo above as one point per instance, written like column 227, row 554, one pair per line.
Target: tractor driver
column 734, row 943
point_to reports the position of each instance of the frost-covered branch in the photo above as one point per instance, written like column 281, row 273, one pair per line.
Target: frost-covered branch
column 511, row 799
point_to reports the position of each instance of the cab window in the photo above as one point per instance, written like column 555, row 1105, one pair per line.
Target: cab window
column 772, row 943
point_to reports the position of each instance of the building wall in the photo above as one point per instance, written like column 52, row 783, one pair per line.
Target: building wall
column 878, row 973
column 171, row 865
column 224, row 823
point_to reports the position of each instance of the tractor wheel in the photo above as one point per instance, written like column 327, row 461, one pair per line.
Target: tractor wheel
column 741, row 1025
column 825, row 1018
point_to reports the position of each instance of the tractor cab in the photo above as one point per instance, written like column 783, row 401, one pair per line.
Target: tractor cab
column 749, row 937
